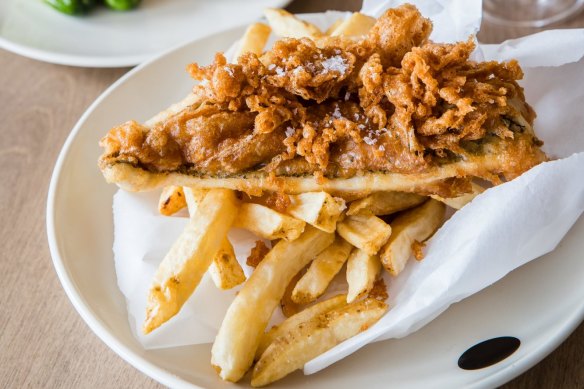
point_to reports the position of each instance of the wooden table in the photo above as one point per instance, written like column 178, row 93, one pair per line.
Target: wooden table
column 43, row 341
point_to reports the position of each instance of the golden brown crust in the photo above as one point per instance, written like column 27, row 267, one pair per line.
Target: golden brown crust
column 278, row 201
column 418, row 250
column 257, row 254
column 379, row 290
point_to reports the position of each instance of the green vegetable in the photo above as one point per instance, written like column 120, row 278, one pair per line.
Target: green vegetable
column 72, row 7
column 122, row 5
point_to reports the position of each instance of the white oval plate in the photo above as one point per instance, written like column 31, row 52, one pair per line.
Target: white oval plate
column 105, row 38
column 540, row 303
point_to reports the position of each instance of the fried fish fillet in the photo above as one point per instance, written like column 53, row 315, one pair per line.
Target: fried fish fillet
column 391, row 111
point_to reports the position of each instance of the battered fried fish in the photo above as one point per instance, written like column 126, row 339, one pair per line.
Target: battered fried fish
column 390, row 111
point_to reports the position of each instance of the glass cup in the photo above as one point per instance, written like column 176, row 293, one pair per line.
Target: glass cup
column 530, row 13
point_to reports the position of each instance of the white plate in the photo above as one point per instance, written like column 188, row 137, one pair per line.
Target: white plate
column 105, row 38
column 540, row 303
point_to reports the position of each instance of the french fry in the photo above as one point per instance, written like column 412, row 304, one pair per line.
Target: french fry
column 417, row 224
column 189, row 258
column 312, row 338
column 321, row 272
column 356, row 25
column 254, row 39
column 225, row 271
column 246, row 319
column 385, row 203
column 289, row 306
column 362, row 271
column 267, row 223
column 172, row 200
column 193, row 198
column 285, row 24
column 364, row 231
column 302, row 316
column 189, row 100
column 319, row 209
column 333, row 27
column 461, row 201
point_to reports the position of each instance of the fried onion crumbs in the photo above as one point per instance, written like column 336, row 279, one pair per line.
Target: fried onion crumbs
column 257, row 254
column 278, row 201
column 418, row 250
column 379, row 290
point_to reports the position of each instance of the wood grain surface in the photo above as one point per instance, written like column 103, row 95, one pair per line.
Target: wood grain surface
column 43, row 341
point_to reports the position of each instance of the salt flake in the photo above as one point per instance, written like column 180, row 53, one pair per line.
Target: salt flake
column 298, row 69
column 336, row 63
column 369, row 141
column 228, row 70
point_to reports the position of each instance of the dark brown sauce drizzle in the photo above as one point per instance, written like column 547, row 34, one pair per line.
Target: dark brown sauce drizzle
column 488, row 353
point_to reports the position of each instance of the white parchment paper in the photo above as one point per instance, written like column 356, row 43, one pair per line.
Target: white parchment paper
column 512, row 223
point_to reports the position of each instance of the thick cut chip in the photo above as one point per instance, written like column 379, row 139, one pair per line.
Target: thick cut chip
column 254, row 39
column 189, row 258
column 321, row 272
column 319, row 209
column 267, row 223
column 362, row 271
column 302, row 316
column 418, row 225
column 385, row 203
column 355, row 25
column 333, row 27
column 225, row 271
column 246, row 319
column 288, row 305
column 308, row 340
column 191, row 100
column 172, row 200
column 461, row 201
column 286, row 25
column 193, row 197
column 365, row 231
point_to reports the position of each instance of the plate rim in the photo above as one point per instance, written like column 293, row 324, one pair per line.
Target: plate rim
column 162, row 375
column 71, row 59
column 95, row 61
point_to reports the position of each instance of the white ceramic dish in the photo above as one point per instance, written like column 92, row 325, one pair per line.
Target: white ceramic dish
column 106, row 38
column 540, row 303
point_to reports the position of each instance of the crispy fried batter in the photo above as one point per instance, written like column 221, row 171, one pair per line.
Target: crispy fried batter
column 392, row 102
column 397, row 32
column 379, row 290
column 289, row 307
column 278, row 201
column 257, row 254
column 418, row 250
